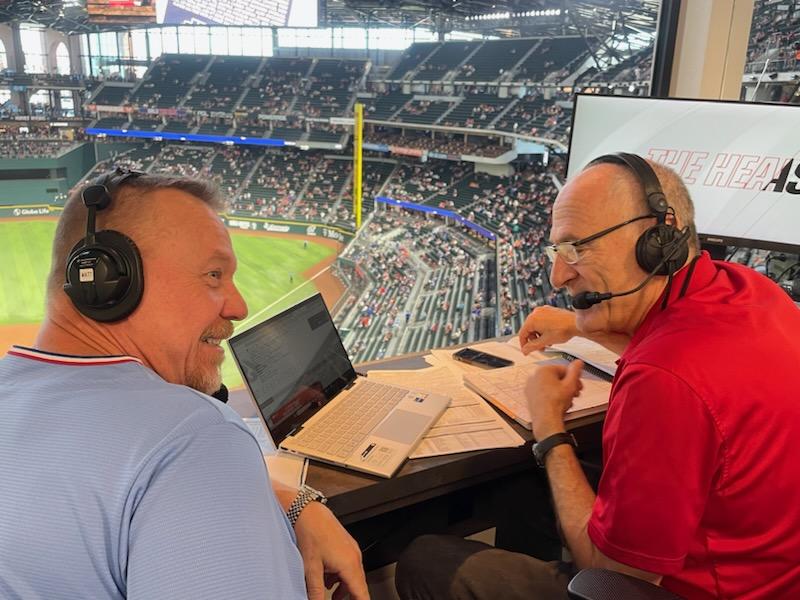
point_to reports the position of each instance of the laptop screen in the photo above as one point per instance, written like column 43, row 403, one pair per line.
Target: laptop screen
column 293, row 363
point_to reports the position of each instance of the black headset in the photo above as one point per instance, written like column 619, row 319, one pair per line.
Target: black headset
column 660, row 243
column 105, row 280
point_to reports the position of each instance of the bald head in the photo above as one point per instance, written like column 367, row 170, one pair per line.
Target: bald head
column 134, row 211
column 627, row 191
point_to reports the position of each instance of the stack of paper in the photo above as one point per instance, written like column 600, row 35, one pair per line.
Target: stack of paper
column 469, row 423
column 505, row 388
column 589, row 352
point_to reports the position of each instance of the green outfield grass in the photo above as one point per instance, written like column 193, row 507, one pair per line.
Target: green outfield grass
column 269, row 268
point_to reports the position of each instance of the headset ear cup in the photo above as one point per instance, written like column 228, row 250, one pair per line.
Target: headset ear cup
column 105, row 281
column 656, row 243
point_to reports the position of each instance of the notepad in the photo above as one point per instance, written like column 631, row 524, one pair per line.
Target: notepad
column 591, row 353
column 505, row 389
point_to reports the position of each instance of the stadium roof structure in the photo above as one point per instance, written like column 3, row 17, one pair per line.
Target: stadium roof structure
column 503, row 18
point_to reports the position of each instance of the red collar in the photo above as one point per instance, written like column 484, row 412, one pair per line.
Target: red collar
column 703, row 273
column 66, row 359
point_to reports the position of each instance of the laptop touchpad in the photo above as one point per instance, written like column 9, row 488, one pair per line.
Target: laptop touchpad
column 402, row 426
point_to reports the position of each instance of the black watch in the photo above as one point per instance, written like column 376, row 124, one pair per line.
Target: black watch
column 541, row 449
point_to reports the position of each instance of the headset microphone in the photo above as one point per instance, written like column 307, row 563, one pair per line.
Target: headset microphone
column 584, row 300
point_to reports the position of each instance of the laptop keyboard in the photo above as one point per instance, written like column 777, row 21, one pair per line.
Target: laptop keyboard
column 346, row 425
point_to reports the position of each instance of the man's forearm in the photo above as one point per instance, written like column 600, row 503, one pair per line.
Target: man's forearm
column 574, row 499
column 616, row 342
column 283, row 493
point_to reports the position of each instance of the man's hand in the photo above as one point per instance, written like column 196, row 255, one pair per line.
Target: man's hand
column 330, row 555
column 546, row 326
column 549, row 392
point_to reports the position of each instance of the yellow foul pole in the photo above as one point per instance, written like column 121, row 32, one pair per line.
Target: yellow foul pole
column 358, row 139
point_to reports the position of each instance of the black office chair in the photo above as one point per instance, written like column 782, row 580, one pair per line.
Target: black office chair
column 600, row 584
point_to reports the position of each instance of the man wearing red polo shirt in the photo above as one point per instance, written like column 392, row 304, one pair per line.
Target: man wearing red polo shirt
column 701, row 482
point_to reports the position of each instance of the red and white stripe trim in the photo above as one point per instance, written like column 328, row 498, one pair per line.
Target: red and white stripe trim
column 65, row 359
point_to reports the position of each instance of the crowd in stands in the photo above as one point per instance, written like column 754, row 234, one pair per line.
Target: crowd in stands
column 23, row 148
column 775, row 36
column 443, row 142
column 414, row 284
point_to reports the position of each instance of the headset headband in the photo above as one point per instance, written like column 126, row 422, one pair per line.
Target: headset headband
column 656, row 199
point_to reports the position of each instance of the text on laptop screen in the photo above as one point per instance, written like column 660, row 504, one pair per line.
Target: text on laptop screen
column 293, row 363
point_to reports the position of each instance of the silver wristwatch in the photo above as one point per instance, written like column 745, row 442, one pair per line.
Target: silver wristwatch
column 305, row 495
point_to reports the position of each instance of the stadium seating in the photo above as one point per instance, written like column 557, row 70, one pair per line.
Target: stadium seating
column 424, row 112
column 112, row 123
column 384, row 105
column 415, row 285
column 277, row 86
column 111, row 95
column 444, row 59
column 476, row 110
column 144, row 124
column 169, row 80
column 414, row 56
column 231, row 166
column 224, row 84
column 177, row 126
column 774, row 37
column 214, row 127
column 550, row 56
column 189, row 161
column 21, row 148
column 331, row 88
column 492, row 60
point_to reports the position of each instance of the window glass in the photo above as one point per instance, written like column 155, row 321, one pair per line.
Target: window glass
column 201, row 40
column 266, row 41
column 67, row 103
column 62, row 60
column 251, row 41
column 154, row 38
column 354, row 38
column 169, row 40
column 139, row 44
column 33, row 47
column 390, row 38
column 186, row 39
column 219, row 40
column 235, row 41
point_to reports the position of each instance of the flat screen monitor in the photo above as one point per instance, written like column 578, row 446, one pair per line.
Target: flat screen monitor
column 740, row 160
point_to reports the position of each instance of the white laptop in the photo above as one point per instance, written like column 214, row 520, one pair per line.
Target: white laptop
column 313, row 403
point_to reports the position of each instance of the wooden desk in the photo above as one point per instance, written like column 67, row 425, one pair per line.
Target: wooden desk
column 356, row 497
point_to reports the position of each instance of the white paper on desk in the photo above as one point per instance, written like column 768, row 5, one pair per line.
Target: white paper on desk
column 589, row 352
column 432, row 360
column 469, row 423
column 444, row 356
column 505, row 388
column 289, row 469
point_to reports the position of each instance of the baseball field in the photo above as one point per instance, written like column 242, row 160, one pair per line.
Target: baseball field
column 274, row 272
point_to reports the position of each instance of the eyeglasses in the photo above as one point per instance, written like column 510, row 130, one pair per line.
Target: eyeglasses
column 569, row 251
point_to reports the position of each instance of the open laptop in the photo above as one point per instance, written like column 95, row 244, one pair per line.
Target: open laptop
column 313, row 403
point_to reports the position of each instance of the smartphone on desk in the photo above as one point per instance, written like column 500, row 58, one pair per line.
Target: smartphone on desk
column 481, row 359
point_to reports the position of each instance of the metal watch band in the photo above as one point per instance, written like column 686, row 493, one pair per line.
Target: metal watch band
column 541, row 449
column 305, row 495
